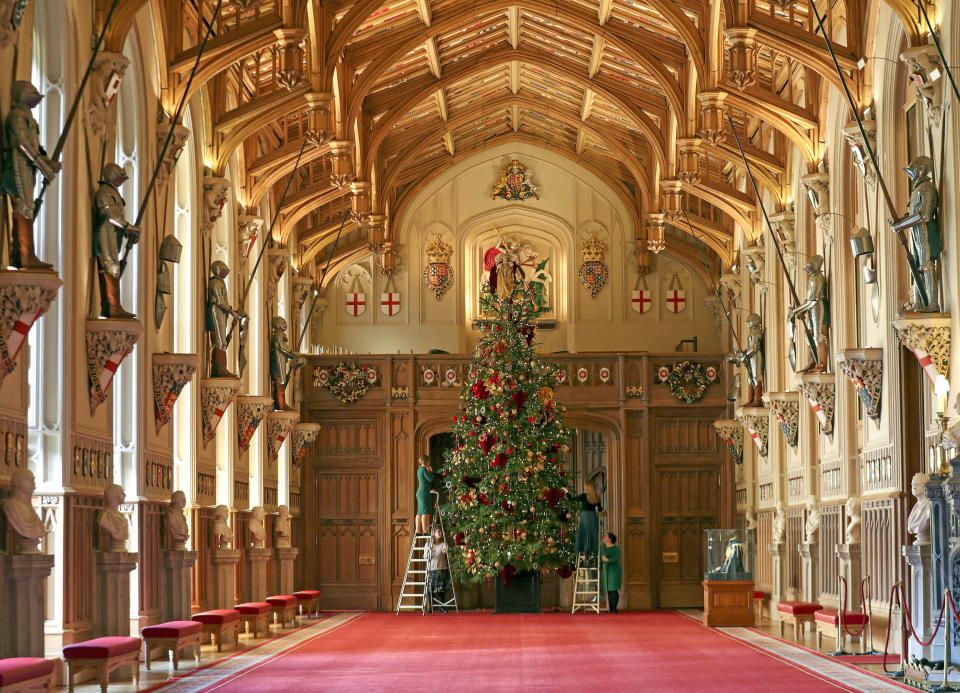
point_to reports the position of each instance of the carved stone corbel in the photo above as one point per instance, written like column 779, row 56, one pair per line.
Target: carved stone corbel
column 742, row 52
column 731, row 432
column 290, row 45
column 279, row 425
column 756, row 422
column 926, row 75
column 731, row 284
column 360, row 204
column 864, row 369
column 108, row 71
column 671, row 199
column 319, row 127
column 754, row 258
column 713, row 126
column 851, row 132
column 250, row 412
column 817, row 186
column 783, row 227
column 303, row 436
column 275, row 262
column 300, row 290
column 689, row 163
column 341, row 165
column 216, row 394
column 177, row 143
column 929, row 340
column 216, row 191
column 108, row 343
column 24, row 297
column 171, row 372
column 653, row 224
column 712, row 304
column 249, row 228
column 820, row 389
column 785, row 407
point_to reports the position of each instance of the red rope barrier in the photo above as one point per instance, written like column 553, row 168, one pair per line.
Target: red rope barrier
column 913, row 632
column 894, row 592
column 843, row 610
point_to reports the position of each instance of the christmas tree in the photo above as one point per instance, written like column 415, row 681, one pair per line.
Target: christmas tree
column 508, row 508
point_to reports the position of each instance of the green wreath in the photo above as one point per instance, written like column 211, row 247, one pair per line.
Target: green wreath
column 687, row 382
column 348, row 383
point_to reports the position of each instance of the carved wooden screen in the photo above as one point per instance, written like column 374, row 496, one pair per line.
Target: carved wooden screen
column 148, row 574
column 881, row 556
column 831, row 534
column 793, row 538
column 79, row 597
column 764, row 568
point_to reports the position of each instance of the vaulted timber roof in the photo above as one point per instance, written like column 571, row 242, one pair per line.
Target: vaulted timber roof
column 390, row 94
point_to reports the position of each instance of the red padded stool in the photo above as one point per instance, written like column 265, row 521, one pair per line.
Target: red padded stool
column 797, row 613
column 172, row 636
column 254, row 613
column 103, row 655
column 759, row 599
column 21, row 674
column 218, row 622
column 309, row 599
column 827, row 623
column 285, row 607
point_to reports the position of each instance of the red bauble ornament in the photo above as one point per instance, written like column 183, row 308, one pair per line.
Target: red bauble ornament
column 480, row 390
column 500, row 459
column 487, row 441
column 563, row 572
column 519, row 398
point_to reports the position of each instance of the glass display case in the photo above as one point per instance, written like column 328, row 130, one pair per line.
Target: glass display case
column 729, row 554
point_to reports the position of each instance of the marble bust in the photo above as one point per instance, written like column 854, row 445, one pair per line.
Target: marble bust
column 176, row 522
column 779, row 524
column 258, row 532
column 283, row 527
column 852, row 508
column 751, row 519
column 918, row 522
column 18, row 509
column 222, row 534
column 811, row 528
column 112, row 521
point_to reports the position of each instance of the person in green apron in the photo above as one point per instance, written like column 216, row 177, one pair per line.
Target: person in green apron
column 424, row 485
column 610, row 556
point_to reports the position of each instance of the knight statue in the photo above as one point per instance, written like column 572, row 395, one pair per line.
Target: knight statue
column 753, row 357
column 218, row 313
column 815, row 311
column 282, row 361
column 23, row 157
column 925, row 240
column 110, row 229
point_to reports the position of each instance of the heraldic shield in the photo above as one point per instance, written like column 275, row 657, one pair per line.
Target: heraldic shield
column 438, row 274
column 516, row 183
column 594, row 272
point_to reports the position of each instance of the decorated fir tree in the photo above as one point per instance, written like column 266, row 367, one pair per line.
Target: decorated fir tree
column 508, row 510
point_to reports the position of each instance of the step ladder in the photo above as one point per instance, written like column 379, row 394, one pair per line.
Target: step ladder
column 437, row 521
column 413, row 591
column 586, row 586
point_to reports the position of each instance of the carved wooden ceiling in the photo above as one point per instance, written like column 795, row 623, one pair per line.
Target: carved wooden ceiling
column 390, row 94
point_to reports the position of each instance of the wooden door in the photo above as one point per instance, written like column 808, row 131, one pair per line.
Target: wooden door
column 346, row 541
column 688, row 500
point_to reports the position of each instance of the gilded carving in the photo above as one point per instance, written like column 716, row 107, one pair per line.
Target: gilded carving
column 785, row 407
column 689, row 163
column 24, row 297
column 279, row 425
column 171, row 372
column 713, row 126
column 821, row 392
column 929, row 339
column 742, row 52
column 108, row 343
column 250, row 412
column 341, row 165
column 438, row 274
column 301, row 439
column 216, row 394
column 731, row 432
column 756, row 421
column 864, row 369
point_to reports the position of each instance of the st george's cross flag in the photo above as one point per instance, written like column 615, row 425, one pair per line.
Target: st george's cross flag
column 675, row 297
column 390, row 303
column 356, row 304
column 641, row 300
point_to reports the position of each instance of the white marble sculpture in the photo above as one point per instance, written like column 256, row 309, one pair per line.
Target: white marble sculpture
column 751, row 517
column 811, row 528
column 176, row 522
column 258, row 533
column 918, row 522
column 112, row 521
column 20, row 514
column 779, row 524
column 852, row 534
column 222, row 534
column 283, row 528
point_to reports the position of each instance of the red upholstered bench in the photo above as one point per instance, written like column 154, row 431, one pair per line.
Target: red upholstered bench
column 103, row 655
column 218, row 622
column 759, row 599
column 284, row 606
column 827, row 623
column 797, row 613
column 172, row 636
column 21, row 674
column 254, row 613
column 309, row 599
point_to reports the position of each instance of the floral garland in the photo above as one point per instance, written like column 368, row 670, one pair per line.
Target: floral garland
column 348, row 383
column 687, row 382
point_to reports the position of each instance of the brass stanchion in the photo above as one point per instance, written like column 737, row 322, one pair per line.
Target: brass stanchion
column 866, row 597
column 902, row 671
column 945, row 687
column 839, row 652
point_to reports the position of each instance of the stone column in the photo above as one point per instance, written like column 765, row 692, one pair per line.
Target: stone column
column 112, row 615
column 852, row 570
column 175, row 584
column 223, row 578
column 24, row 574
column 779, row 590
column 285, row 558
column 255, row 575
column 810, row 565
column 921, row 599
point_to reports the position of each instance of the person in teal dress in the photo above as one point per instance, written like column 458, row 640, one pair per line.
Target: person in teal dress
column 424, row 486
column 610, row 556
column 588, row 527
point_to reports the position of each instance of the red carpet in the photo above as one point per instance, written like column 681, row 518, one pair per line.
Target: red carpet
column 634, row 651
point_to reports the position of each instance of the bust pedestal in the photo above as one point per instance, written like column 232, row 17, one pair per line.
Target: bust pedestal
column 810, row 562
column 255, row 574
column 112, row 615
column 23, row 575
column 921, row 599
column 175, row 584
column 778, row 593
column 223, row 578
column 851, row 569
column 285, row 559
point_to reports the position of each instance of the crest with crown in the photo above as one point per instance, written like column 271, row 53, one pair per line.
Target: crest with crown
column 593, row 249
column 437, row 250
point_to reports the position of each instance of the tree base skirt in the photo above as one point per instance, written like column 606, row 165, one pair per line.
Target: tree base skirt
column 520, row 596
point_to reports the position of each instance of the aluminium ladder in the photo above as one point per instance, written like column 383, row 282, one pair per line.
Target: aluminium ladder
column 438, row 522
column 413, row 591
column 586, row 584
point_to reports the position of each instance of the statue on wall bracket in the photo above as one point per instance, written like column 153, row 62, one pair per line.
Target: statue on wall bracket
column 925, row 241
column 515, row 183
column 753, row 357
column 110, row 230
column 282, row 362
column 217, row 315
column 815, row 311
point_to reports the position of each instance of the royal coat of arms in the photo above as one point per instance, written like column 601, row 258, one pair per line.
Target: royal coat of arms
column 516, row 183
column 594, row 272
column 438, row 274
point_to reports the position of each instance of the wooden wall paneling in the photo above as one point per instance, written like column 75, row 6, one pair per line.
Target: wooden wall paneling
column 880, row 520
column 241, row 535
column 269, row 521
column 763, row 571
column 201, row 526
column 149, row 568
column 831, row 534
column 794, row 535
column 83, row 538
column 399, row 482
column 635, row 494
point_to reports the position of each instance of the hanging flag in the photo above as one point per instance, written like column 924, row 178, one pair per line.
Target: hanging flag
column 676, row 297
column 356, row 303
